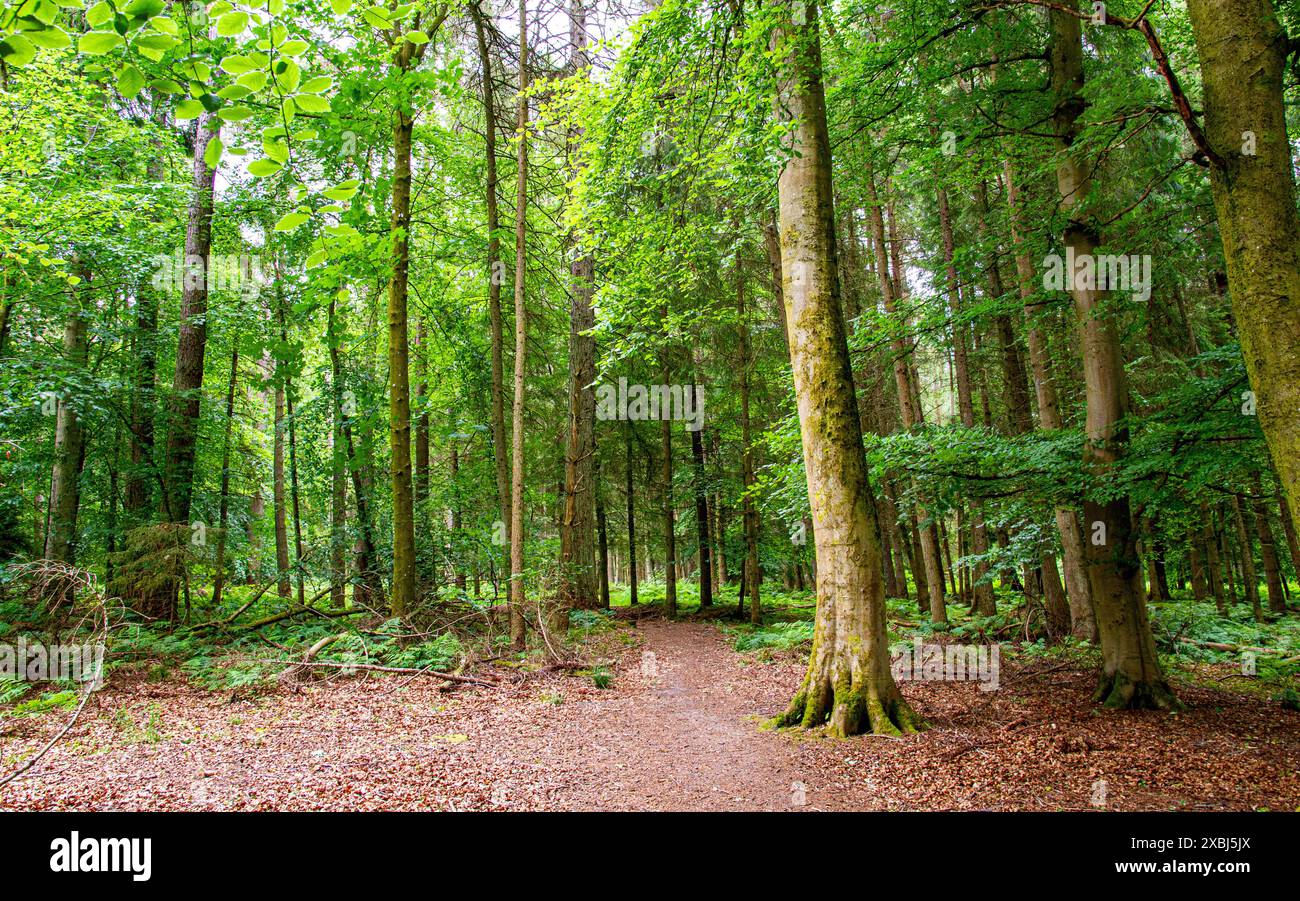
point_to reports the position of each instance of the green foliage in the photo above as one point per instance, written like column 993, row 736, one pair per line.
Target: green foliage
column 46, row 703
column 782, row 636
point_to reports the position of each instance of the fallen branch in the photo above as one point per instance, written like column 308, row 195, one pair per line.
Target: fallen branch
column 295, row 612
column 311, row 653
column 1235, row 648
column 31, row 762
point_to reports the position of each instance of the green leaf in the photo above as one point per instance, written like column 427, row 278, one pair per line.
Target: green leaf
column 198, row 70
column 156, row 42
column 16, row 50
column 318, row 85
column 254, row 81
column 167, row 86
column 378, row 17
column 99, row 14
column 276, row 150
column 130, row 81
column 343, row 190
column 291, row 221
column 233, row 92
column 311, row 103
column 232, row 24
column 144, row 9
column 235, row 114
column 165, row 25
column 341, row 7
column 97, row 43
column 236, row 64
column 294, row 48
column 287, row 75
column 212, row 153
column 54, row 38
column 263, row 168
column 416, row 37
column 188, row 109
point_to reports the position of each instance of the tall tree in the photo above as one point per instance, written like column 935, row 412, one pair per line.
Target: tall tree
column 848, row 683
column 1131, row 674
column 517, row 624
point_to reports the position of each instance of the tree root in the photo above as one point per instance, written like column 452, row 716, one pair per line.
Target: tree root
column 849, row 713
column 1118, row 692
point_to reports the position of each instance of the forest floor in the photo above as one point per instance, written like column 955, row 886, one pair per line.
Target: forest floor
column 676, row 731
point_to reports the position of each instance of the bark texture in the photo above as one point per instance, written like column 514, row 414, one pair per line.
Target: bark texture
column 848, row 684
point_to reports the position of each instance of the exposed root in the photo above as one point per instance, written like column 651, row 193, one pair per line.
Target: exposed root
column 848, row 712
column 1117, row 691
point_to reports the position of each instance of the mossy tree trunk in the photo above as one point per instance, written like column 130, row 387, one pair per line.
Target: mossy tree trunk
column 69, row 436
column 848, row 684
column 1243, row 50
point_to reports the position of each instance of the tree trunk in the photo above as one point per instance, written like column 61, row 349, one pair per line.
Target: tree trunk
column 1268, row 552
column 848, row 684
column 749, row 514
column 368, row 587
column 580, row 583
column 517, row 627
column 1213, row 564
column 1131, row 675
column 187, row 382
column 928, row 571
column 702, row 510
column 602, row 541
column 1243, row 51
column 1250, row 575
column 69, row 436
column 670, row 514
column 223, row 509
column 135, row 502
column 984, row 604
column 399, row 379
column 1083, row 624
column 496, row 271
column 1288, row 529
column 631, row 517
column 283, row 586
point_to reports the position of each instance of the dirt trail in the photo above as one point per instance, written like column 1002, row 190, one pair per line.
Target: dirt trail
column 684, row 738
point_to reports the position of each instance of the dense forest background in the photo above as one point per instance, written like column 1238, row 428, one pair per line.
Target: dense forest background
column 978, row 314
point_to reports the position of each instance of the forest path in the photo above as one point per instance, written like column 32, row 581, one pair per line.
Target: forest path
column 684, row 737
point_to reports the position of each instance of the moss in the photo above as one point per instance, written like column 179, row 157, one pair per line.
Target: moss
column 1117, row 691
